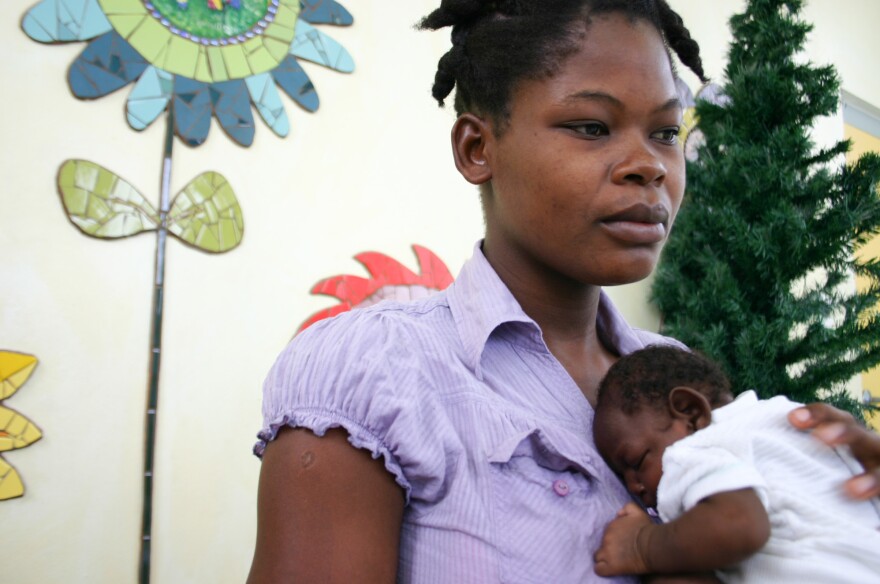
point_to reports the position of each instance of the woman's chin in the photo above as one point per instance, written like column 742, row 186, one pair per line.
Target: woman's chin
column 630, row 273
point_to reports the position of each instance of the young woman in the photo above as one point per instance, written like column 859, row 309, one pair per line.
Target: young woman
column 444, row 440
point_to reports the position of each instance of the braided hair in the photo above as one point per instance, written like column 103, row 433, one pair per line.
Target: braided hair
column 647, row 376
column 496, row 43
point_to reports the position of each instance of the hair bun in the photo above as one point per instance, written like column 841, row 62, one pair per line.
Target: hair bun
column 466, row 8
column 457, row 12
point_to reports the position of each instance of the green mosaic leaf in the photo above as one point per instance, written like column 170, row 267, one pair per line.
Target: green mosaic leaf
column 206, row 214
column 102, row 204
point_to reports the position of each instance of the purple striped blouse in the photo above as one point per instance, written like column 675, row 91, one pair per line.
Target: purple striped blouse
column 480, row 425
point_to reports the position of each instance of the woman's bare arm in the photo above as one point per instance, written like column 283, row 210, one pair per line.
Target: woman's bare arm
column 326, row 512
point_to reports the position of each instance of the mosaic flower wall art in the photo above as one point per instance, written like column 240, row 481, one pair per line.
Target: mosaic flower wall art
column 189, row 60
column 16, row 431
column 389, row 279
column 196, row 58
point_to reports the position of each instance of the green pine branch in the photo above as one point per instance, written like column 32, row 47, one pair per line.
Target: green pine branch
column 759, row 272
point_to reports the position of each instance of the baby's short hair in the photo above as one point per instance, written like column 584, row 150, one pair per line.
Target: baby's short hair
column 646, row 377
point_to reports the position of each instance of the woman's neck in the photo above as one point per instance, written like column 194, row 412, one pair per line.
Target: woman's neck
column 565, row 310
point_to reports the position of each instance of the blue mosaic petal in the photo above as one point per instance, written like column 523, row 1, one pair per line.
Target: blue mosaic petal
column 65, row 20
column 313, row 45
column 266, row 98
column 191, row 110
column 149, row 97
column 324, row 12
column 107, row 64
column 295, row 83
column 232, row 108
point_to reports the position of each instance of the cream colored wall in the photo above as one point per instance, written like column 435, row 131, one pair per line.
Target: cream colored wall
column 371, row 170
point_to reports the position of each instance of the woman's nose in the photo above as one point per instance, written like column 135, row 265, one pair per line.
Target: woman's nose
column 639, row 164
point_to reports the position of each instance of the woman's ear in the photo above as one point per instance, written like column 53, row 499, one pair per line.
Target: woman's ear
column 689, row 405
column 470, row 138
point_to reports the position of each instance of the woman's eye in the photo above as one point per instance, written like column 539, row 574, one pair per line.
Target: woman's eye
column 668, row 135
column 589, row 129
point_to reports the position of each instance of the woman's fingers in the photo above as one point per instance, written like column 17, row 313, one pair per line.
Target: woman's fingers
column 864, row 486
column 811, row 415
column 837, row 428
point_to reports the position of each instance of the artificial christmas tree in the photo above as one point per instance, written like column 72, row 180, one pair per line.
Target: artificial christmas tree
column 758, row 271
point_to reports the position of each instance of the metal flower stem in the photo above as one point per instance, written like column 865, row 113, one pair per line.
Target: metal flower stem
column 156, row 353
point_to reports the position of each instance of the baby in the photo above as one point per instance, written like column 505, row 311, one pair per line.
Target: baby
column 740, row 491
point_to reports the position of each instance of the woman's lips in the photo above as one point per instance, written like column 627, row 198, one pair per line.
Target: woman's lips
column 639, row 224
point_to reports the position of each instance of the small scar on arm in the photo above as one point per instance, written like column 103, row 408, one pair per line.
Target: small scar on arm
column 307, row 459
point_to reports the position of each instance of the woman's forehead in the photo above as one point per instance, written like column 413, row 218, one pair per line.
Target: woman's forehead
column 617, row 58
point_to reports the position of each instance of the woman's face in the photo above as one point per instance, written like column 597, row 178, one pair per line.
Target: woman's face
column 588, row 174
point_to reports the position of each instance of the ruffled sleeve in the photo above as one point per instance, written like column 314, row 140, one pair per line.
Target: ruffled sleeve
column 362, row 371
column 691, row 473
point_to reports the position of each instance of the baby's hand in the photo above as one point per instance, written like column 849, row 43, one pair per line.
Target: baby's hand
column 620, row 552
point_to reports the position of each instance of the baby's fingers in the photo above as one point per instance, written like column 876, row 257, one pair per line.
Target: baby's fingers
column 630, row 509
column 604, row 564
column 602, row 567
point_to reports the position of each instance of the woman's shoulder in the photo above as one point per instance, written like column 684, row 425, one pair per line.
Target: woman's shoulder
column 365, row 371
column 361, row 358
column 375, row 327
column 650, row 338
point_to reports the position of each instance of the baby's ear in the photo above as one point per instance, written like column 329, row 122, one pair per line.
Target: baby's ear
column 691, row 406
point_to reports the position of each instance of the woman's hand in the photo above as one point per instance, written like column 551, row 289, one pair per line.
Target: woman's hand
column 837, row 428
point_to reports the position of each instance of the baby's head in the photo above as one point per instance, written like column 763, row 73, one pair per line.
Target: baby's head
column 649, row 400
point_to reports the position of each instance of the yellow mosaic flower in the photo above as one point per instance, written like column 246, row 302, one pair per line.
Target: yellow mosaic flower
column 16, row 431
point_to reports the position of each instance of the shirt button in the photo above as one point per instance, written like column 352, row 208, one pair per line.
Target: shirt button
column 560, row 487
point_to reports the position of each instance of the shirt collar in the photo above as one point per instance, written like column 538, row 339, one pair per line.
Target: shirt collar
column 480, row 303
